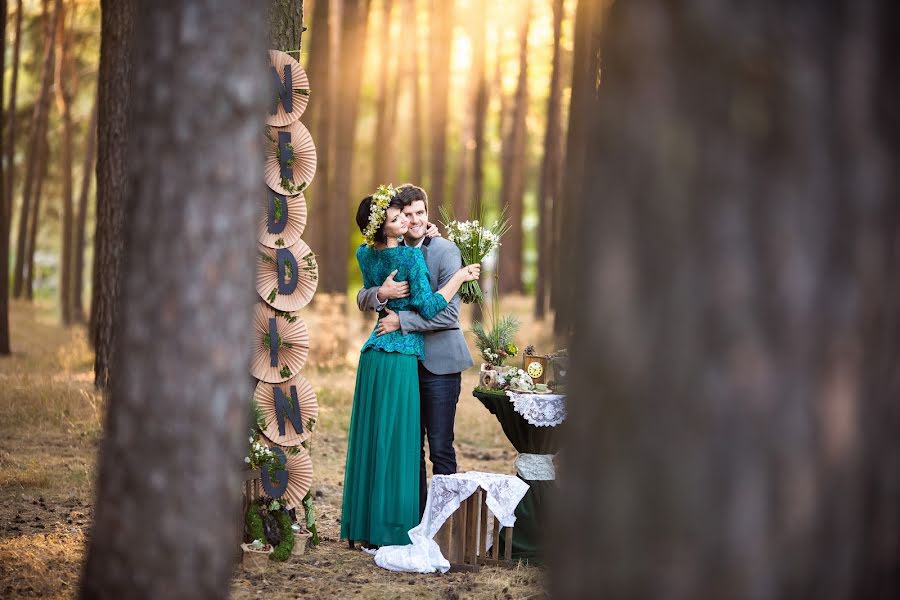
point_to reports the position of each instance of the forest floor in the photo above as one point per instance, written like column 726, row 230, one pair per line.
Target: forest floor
column 51, row 424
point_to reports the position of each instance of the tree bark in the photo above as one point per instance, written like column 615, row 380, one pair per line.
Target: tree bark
column 440, row 40
column 387, row 95
column 87, row 172
column 12, row 122
column 113, row 99
column 551, row 169
column 418, row 148
column 584, row 79
column 736, row 307
column 513, row 186
column 63, row 104
column 286, row 25
column 323, row 61
column 36, row 140
column 479, row 109
column 353, row 37
column 169, row 475
column 43, row 167
column 4, row 213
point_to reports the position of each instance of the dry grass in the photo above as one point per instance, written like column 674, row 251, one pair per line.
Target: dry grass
column 50, row 425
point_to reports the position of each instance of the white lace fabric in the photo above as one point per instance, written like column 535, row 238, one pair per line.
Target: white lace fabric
column 540, row 410
column 502, row 495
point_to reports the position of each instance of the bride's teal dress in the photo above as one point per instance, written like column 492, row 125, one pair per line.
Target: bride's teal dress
column 381, row 479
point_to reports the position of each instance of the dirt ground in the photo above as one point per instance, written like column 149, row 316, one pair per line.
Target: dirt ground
column 50, row 428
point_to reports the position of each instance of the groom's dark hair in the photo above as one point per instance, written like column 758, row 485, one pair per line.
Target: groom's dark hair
column 409, row 193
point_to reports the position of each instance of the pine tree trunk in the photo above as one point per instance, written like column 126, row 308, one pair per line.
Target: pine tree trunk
column 4, row 214
column 387, row 94
column 169, row 475
column 286, row 25
column 43, row 167
column 418, row 148
column 513, row 188
column 87, row 175
column 440, row 40
column 113, row 99
column 320, row 118
column 353, row 37
column 479, row 109
column 63, row 104
column 551, row 168
column 736, row 307
column 584, row 79
column 33, row 162
column 12, row 122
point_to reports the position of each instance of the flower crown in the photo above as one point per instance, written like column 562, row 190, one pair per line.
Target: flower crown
column 378, row 212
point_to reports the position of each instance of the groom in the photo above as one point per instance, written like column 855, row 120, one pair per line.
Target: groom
column 446, row 353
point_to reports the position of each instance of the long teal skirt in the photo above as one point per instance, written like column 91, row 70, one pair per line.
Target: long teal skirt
column 381, row 479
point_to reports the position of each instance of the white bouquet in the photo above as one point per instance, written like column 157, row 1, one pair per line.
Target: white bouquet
column 475, row 241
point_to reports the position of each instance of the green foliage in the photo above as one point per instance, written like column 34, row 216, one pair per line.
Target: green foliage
column 283, row 550
column 279, row 208
column 310, row 517
column 254, row 522
column 496, row 344
column 285, row 371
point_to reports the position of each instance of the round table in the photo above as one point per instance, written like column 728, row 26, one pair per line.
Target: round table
column 531, row 514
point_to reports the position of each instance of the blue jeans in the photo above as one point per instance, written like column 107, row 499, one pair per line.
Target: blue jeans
column 439, row 395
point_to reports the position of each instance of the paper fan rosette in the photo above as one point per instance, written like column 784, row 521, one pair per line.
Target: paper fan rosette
column 299, row 89
column 291, row 350
column 300, row 474
column 282, row 219
column 306, row 400
column 300, row 167
column 299, row 286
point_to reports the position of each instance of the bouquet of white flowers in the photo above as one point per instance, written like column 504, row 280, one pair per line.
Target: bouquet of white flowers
column 475, row 241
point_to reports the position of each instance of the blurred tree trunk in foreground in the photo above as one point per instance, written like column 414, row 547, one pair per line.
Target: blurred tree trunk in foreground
column 113, row 100
column 169, row 475
column 551, row 171
column 734, row 414
column 512, row 189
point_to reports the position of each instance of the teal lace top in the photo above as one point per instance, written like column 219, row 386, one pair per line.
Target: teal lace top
column 376, row 265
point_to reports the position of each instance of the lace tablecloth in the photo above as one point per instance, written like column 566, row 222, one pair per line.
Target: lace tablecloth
column 541, row 410
column 502, row 495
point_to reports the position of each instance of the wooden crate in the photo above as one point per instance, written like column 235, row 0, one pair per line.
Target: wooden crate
column 252, row 490
column 464, row 535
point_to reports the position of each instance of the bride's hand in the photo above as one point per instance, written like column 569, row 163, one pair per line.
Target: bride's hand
column 432, row 231
column 470, row 272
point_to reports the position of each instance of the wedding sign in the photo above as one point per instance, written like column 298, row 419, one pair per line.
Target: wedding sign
column 286, row 280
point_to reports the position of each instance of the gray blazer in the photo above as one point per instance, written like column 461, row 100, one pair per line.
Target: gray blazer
column 445, row 345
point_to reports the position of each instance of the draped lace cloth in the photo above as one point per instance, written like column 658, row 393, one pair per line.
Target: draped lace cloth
column 502, row 494
column 541, row 410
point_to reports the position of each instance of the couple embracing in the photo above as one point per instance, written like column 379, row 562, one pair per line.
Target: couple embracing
column 408, row 379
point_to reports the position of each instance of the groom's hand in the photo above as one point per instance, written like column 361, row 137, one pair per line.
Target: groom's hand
column 389, row 323
column 391, row 290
